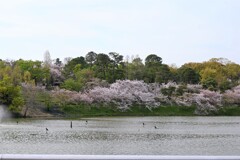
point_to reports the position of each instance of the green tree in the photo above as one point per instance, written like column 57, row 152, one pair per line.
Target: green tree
column 152, row 66
column 209, row 83
column 233, row 72
column 91, row 58
column 38, row 73
column 188, row 75
column 16, row 76
column 136, row 69
column 116, row 61
column 163, row 75
column 153, row 59
column 102, row 66
column 71, row 84
column 58, row 62
column 69, row 67
column 225, row 85
column 83, row 76
column 10, row 94
column 78, row 83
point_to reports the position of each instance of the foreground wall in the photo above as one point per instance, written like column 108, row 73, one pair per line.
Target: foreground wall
column 111, row 157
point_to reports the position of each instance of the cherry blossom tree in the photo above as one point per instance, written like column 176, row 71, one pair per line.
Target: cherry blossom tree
column 207, row 102
column 232, row 97
column 125, row 93
column 47, row 59
column 56, row 74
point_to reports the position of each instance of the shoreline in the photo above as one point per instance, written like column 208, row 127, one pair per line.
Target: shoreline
column 83, row 111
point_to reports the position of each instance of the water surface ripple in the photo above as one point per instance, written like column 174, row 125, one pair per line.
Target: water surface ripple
column 123, row 135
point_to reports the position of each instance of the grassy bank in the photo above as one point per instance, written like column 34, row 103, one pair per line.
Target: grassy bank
column 229, row 111
column 77, row 111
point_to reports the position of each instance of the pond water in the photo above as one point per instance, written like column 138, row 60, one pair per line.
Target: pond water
column 123, row 135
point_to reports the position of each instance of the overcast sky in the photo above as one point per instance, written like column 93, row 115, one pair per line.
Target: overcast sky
column 179, row 31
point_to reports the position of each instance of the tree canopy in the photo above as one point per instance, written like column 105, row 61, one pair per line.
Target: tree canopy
column 100, row 69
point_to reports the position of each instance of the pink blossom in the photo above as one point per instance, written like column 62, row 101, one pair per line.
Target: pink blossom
column 124, row 94
column 232, row 96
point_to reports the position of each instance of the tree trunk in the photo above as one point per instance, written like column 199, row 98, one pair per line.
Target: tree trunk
column 25, row 112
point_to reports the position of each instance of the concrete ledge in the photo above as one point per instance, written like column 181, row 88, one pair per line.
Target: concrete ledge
column 110, row 157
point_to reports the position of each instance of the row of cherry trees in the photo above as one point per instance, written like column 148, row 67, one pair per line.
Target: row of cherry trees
column 125, row 93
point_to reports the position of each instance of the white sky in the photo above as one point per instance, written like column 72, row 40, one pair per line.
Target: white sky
column 179, row 31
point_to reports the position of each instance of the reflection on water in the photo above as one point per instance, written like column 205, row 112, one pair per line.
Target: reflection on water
column 125, row 135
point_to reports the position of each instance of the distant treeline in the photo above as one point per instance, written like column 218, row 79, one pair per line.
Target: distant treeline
column 22, row 81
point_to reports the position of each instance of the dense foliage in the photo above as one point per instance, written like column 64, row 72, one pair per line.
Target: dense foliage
column 108, row 80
